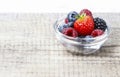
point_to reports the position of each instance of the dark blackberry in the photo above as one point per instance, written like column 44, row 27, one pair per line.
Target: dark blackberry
column 100, row 24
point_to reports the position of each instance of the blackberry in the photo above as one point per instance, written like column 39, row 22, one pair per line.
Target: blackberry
column 100, row 24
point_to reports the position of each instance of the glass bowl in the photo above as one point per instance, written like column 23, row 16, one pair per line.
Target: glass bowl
column 80, row 45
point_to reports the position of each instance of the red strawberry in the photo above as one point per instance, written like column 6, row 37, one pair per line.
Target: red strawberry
column 70, row 32
column 97, row 32
column 86, row 11
column 84, row 25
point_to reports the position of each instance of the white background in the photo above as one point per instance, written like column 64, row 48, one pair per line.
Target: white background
column 42, row 6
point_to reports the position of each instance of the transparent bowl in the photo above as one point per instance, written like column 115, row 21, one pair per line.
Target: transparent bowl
column 80, row 45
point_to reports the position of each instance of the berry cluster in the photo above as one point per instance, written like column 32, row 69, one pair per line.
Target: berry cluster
column 82, row 24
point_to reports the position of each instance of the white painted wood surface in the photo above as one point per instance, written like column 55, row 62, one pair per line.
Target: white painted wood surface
column 28, row 48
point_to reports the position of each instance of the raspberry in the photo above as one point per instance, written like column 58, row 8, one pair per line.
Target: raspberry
column 86, row 11
column 97, row 32
column 100, row 24
column 66, row 20
column 70, row 32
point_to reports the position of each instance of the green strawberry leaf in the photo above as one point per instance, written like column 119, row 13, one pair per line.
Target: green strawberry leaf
column 80, row 16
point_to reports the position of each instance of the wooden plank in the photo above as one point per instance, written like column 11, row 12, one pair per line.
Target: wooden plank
column 28, row 48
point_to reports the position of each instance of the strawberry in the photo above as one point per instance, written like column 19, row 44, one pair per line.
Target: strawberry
column 86, row 11
column 84, row 25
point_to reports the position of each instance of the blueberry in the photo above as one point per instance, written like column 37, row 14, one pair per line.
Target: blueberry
column 85, row 39
column 61, row 27
column 70, row 24
column 88, row 38
column 72, row 16
column 81, row 36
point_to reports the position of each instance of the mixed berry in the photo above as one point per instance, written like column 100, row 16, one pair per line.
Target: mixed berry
column 100, row 23
column 82, row 24
column 70, row 32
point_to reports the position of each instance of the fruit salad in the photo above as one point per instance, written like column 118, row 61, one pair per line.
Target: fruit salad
column 82, row 24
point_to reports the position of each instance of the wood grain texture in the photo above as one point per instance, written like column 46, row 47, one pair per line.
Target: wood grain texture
column 28, row 48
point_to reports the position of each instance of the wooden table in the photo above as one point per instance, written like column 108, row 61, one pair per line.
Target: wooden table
column 28, row 48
